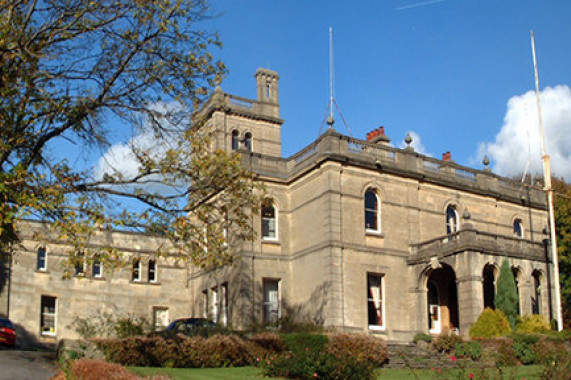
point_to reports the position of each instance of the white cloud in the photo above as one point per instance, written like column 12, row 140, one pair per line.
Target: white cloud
column 120, row 159
column 416, row 143
column 518, row 144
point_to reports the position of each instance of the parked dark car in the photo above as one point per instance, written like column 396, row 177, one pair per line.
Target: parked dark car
column 188, row 326
column 7, row 332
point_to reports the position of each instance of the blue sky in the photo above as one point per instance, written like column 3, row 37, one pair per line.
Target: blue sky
column 444, row 70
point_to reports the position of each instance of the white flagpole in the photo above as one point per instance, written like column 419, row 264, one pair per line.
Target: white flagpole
column 549, row 190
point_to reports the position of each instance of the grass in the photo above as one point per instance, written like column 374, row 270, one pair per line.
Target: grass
column 252, row 373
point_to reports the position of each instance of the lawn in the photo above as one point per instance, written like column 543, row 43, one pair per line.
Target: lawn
column 249, row 373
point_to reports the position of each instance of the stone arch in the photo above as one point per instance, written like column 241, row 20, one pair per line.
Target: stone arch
column 490, row 274
column 517, row 272
column 439, row 281
column 537, row 290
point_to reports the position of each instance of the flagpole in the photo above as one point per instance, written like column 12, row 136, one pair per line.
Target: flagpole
column 549, row 190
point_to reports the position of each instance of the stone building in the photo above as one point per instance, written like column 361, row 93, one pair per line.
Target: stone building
column 353, row 234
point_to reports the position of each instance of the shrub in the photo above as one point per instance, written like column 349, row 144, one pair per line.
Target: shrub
column 321, row 365
column 472, row 350
column 491, row 323
column 182, row 351
column 506, row 298
column 501, row 351
column 555, row 359
column 361, row 348
column 131, row 326
column 533, row 323
column 422, row 337
column 523, row 347
column 304, row 342
column 269, row 341
column 89, row 369
column 446, row 343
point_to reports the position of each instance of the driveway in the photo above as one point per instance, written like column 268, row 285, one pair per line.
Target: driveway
column 26, row 365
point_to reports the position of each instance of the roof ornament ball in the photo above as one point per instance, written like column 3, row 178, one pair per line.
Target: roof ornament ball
column 330, row 121
column 408, row 140
column 486, row 162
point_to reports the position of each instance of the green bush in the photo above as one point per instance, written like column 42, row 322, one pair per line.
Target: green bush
column 320, row 365
column 422, row 337
column 131, row 326
column 180, row 352
column 361, row 348
column 533, row 323
column 446, row 343
column 506, row 298
column 304, row 342
column 554, row 357
column 523, row 347
column 472, row 350
column 491, row 323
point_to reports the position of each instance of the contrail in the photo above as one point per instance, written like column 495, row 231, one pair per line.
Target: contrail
column 421, row 4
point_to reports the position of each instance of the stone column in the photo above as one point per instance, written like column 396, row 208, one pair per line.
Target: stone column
column 470, row 301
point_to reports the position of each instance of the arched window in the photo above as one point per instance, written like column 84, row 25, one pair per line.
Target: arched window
column 248, row 141
column 152, row 271
column 536, row 293
column 518, row 228
column 372, row 211
column 235, row 139
column 42, row 259
column 452, row 220
column 517, row 275
column 269, row 221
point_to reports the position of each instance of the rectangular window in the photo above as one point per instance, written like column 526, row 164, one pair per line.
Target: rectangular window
column 271, row 304
column 205, row 304
column 48, row 315
column 376, row 301
column 152, row 271
column 96, row 268
column 215, row 305
column 80, row 264
column 42, row 259
column 224, row 306
column 160, row 318
column 136, row 270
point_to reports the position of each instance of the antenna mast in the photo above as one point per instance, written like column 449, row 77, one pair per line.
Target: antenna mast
column 330, row 120
column 549, row 190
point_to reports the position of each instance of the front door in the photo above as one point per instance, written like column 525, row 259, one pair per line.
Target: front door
column 434, row 315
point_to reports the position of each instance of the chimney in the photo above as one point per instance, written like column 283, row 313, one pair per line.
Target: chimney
column 378, row 136
column 446, row 156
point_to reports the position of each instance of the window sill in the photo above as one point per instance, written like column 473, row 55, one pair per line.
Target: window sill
column 374, row 233
column 377, row 329
column 155, row 283
column 43, row 271
column 271, row 241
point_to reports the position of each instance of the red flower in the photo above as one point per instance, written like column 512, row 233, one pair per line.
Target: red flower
column 453, row 358
column 315, row 375
column 471, row 376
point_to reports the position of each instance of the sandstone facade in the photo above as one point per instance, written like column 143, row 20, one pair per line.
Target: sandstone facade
column 355, row 234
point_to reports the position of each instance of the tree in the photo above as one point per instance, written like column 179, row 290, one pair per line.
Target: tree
column 69, row 69
column 562, row 209
column 506, row 298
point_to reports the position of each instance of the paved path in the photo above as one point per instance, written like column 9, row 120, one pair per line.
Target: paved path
column 26, row 365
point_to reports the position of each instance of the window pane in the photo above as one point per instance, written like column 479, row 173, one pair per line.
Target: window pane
column 451, row 220
column 271, row 304
column 96, row 268
column 41, row 264
column 375, row 299
column 152, row 271
column 234, row 140
column 371, row 211
column 48, row 315
column 268, row 222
